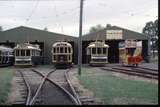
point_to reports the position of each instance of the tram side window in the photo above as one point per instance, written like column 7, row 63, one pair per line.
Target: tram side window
column 99, row 50
column 27, row 52
column 93, row 50
column 17, row 52
column 104, row 50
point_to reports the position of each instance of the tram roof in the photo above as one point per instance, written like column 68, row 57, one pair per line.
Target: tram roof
column 101, row 44
column 4, row 48
column 62, row 44
column 27, row 46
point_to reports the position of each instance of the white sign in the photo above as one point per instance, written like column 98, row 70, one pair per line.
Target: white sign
column 130, row 44
column 114, row 34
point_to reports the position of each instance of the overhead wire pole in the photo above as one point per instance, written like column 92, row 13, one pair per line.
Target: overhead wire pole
column 80, row 39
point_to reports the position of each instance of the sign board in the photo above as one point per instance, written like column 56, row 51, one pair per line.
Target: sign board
column 139, row 44
column 130, row 44
column 114, row 34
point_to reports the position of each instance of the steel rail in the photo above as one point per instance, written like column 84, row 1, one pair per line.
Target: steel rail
column 28, row 88
column 138, row 70
column 60, row 87
column 71, row 86
column 39, row 88
column 154, row 70
column 131, row 73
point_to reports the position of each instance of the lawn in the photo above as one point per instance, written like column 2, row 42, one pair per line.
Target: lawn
column 6, row 75
column 116, row 91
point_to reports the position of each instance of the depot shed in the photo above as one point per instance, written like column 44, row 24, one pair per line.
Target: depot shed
column 112, row 35
column 44, row 38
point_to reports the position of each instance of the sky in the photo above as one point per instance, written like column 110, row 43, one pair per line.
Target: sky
column 62, row 16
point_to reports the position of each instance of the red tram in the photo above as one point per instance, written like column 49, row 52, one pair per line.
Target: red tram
column 130, row 52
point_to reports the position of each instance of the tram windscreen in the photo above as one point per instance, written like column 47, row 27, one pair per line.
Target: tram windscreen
column 27, row 52
column 22, row 52
column 93, row 50
column 65, row 49
column 99, row 50
column 61, row 49
column 17, row 52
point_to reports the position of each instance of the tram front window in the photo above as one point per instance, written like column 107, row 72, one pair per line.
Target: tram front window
column 17, row 52
column 65, row 49
column 69, row 50
column 22, row 52
column 93, row 50
column 27, row 52
column 99, row 50
column 61, row 49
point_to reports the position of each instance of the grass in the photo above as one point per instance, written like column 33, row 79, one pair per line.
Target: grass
column 6, row 75
column 115, row 90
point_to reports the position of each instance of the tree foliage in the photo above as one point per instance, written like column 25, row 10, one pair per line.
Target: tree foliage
column 45, row 29
column 151, row 29
column 96, row 28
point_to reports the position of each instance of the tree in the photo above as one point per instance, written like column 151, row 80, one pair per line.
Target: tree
column 96, row 28
column 151, row 29
column 45, row 29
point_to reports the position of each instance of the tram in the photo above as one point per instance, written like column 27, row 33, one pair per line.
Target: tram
column 130, row 52
column 97, row 53
column 27, row 54
column 62, row 54
column 6, row 56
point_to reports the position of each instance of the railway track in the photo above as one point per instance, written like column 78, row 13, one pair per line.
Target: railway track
column 46, row 91
column 141, row 72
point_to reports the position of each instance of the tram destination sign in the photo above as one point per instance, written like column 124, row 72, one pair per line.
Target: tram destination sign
column 114, row 34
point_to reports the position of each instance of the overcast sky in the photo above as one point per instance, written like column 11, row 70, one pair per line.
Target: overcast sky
column 62, row 16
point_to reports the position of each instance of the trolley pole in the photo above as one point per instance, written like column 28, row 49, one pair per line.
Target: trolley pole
column 80, row 39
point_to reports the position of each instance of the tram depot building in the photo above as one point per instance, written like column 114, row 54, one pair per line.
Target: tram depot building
column 111, row 35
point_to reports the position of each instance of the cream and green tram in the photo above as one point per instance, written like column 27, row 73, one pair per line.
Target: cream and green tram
column 62, row 54
column 97, row 53
column 27, row 54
